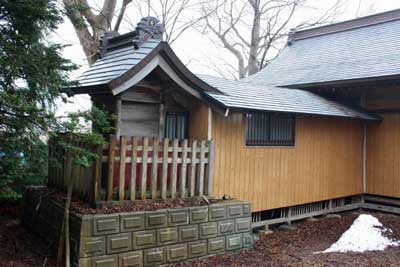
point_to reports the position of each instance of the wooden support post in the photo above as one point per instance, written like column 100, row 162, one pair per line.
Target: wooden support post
column 192, row 179
column 97, row 168
column 182, row 184
column 164, row 169
column 118, row 112
column 200, row 180
column 122, row 157
column 110, row 177
column 154, row 168
column 132, row 183
column 174, row 168
column 161, row 124
column 143, row 179
column 210, row 170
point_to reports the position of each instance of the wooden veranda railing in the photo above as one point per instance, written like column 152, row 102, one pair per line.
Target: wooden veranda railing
column 138, row 168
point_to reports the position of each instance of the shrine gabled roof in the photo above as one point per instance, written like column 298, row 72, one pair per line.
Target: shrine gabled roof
column 116, row 62
column 360, row 50
column 127, row 59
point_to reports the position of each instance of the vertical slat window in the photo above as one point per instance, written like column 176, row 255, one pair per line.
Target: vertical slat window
column 176, row 125
column 270, row 129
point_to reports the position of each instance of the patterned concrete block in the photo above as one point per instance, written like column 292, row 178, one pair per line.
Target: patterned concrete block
column 198, row 215
column 86, row 226
column 242, row 225
column 85, row 262
column 208, row 230
column 105, row 261
column 167, row 236
column 154, row 256
column 105, row 224
column 188, row 233
column 131, row 259
column 216, row 213
column 92, row 246
column 132, row 221
column 156, row 219
column 177, row 253
column 247, row 239
column 177, row 217
column 119, row 243
column 226, row 227
column 246, row 209
column 216, row 245
column 233, row 242
column 121, row 240
column 234, row 210
column 197, row 249
column 144, row 239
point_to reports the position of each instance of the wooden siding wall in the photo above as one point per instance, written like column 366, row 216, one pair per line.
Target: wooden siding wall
column 143, row 111
column 139, row 119
column 198, row 121
column 383, row 156
column 325, row 163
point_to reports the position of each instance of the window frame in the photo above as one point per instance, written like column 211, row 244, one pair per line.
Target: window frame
column 292, row 144
column 186, row 122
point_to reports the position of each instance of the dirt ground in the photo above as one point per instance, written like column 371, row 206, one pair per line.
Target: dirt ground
column 294, row 248
column 81, row 207
column 19, row 247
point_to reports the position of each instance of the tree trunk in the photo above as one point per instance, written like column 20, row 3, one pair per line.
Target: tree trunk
column 64, row 237
column 82, row 18
column 89, row 45
column 253, row 66
column 66, row 219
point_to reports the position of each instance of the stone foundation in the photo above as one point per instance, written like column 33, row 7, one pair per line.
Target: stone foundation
column 145, row 238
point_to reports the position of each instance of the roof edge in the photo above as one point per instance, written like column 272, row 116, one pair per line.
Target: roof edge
column 369, row 116
column 346, row 25
column 347, row 82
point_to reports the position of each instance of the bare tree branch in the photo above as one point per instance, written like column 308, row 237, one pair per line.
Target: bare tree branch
column 121, row 14
column 91, row 22
column 178, row 16
column 253, row 30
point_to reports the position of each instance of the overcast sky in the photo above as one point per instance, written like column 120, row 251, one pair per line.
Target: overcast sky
column 195, row 50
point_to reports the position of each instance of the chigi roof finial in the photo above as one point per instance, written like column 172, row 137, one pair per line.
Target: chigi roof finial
column 152, row 26
column 148, row 27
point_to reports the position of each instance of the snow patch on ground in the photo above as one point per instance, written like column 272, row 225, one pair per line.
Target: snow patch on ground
column 365, row 234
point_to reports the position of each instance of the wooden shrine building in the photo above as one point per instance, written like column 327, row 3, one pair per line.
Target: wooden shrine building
column 320, row 123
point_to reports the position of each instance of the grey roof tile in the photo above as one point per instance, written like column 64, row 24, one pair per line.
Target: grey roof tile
column 247, row 95
column 366, row 52
column 116, row 63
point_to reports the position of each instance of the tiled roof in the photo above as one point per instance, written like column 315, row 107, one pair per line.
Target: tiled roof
column 339, row 55
column 347, row 51
column 116, row 63
column 246, row 95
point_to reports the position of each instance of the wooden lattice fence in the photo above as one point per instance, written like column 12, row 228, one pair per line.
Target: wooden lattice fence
column 138, row 168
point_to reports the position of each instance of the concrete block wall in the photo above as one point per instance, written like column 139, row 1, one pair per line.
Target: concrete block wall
column 148, row 238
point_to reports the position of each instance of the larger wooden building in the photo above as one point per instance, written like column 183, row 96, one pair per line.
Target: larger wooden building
column 321, row 122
